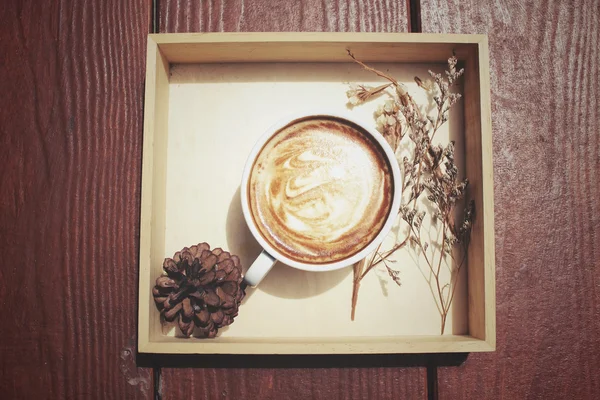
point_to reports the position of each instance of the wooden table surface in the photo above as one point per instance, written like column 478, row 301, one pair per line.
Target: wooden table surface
column 72, row 85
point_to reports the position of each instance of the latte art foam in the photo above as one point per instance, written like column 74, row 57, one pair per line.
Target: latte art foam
column 320, row 190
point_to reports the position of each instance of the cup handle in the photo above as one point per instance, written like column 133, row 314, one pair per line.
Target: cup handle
column 259, row 268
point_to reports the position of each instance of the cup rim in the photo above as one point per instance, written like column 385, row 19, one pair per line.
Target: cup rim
column 387, row 226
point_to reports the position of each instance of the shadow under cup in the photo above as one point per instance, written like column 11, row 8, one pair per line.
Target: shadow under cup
column 318, row 193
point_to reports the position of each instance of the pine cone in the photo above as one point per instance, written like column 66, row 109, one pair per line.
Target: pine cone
column 202, row 288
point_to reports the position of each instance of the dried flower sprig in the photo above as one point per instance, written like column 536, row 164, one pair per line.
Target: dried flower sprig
column 361, row 93
column 430, row 168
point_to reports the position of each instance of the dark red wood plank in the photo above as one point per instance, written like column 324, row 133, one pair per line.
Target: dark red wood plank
column 72, row 77
column 295, row 383
column 282, row 15
column 545, row 102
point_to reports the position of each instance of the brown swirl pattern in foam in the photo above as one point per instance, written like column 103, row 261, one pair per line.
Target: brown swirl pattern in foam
column 320, row 190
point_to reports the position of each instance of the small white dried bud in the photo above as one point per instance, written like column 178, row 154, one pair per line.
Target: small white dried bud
column 354, row 100
column 381, row 121
column 452, row 61
column 389, row 106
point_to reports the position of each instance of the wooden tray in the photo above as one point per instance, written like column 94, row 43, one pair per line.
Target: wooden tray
column 208, row 98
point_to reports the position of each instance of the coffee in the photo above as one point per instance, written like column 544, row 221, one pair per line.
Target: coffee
column 320, row 190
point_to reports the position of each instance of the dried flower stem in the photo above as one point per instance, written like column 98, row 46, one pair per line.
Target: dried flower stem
column 381, row 74
column 431, row 168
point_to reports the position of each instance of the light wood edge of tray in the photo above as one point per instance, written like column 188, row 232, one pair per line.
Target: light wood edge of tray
column 152, row 223
column 311, row 47
column 359, row 345
column 478, row 141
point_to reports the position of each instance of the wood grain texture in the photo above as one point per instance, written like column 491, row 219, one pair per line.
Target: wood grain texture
column 300, row 383
column 293, row 383
column 545, row 110
column 70, row 148
column 282, row 16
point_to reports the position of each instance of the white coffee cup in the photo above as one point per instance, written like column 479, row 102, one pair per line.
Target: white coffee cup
column 269, row 256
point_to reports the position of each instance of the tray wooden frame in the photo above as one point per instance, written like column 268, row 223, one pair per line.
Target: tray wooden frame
column 472, row 50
